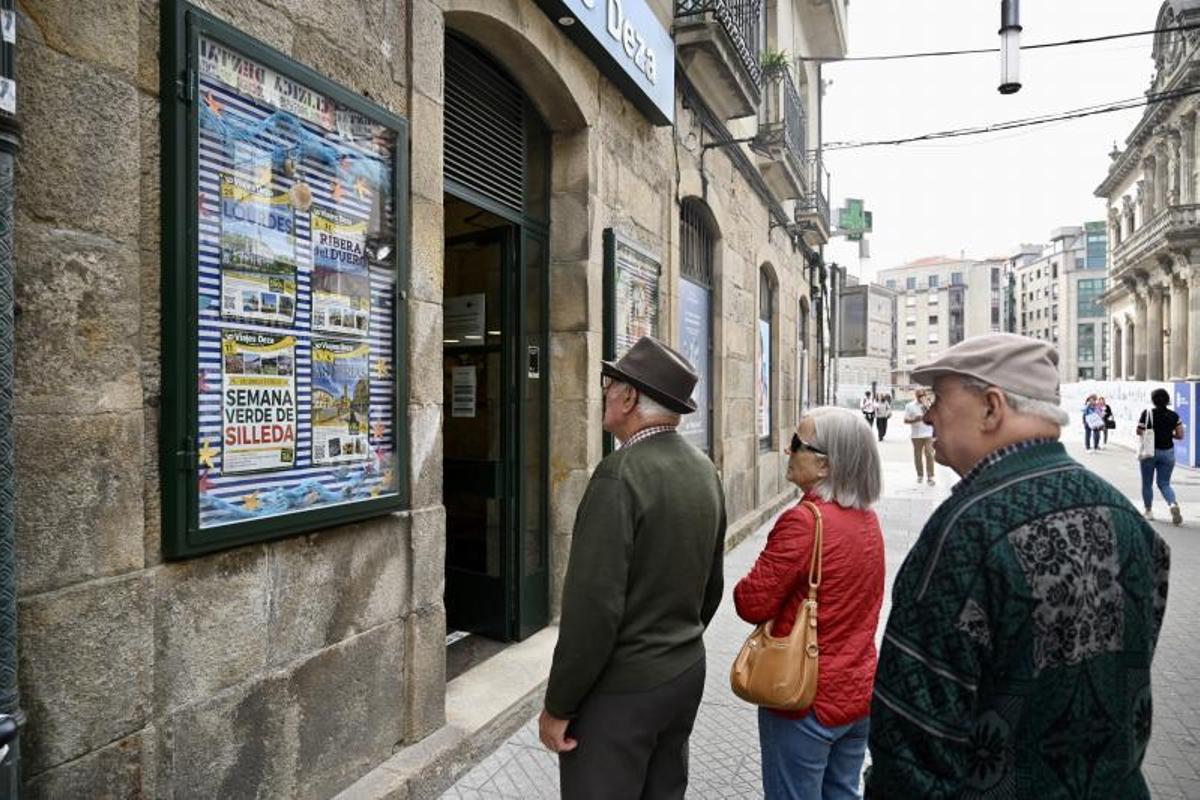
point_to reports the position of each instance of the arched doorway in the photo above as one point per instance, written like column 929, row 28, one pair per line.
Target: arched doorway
column 495, row 349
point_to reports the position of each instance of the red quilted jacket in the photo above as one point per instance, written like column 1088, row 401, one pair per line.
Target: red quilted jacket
column 848, row 600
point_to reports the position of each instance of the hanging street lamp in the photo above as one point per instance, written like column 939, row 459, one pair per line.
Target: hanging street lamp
column 1010, row 46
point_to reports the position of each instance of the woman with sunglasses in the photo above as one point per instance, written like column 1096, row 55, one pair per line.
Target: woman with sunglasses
column 818, row 752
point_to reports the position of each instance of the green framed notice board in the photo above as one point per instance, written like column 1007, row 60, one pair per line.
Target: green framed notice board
column 285, row 266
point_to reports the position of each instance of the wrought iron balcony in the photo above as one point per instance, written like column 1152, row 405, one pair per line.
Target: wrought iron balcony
column 812, row 211
column 718, row 44
column 782, row 136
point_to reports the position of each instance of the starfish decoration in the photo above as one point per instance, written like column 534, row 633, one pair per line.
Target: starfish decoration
column 205, row 483
column 375, row 490
column 250, row 501
column 336, row 190
column 264, row 175
column 387, row 477
column 311, row 498
column 378, row 429
column 206, row 453
column 361, row 189
column 201, row 204
column 382, row 368
column 202, row 385
column 214, row 105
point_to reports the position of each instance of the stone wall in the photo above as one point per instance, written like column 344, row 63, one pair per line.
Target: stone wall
column 284, row 669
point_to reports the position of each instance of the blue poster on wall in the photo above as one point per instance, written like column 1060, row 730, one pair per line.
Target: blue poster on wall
column 1183, row 407
column 695, row 339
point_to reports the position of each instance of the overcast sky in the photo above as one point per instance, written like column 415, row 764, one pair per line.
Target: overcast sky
column 981, row 195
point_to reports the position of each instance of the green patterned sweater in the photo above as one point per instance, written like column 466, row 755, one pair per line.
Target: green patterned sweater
column 1016, row 660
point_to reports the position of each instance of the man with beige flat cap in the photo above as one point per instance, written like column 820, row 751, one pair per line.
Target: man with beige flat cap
column 1016, row 660
column 643, row 582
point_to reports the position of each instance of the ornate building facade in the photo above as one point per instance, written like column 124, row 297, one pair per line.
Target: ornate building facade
column 1153, row 197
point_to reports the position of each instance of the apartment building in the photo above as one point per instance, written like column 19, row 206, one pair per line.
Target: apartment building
column 940, row 302
column 1056, row 297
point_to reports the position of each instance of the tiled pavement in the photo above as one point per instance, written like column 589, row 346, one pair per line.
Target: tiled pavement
column 724, row 745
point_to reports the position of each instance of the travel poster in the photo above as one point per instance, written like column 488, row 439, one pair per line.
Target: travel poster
column 341, row 284
column 341, row 399
column 258, row 252
column 258, row 401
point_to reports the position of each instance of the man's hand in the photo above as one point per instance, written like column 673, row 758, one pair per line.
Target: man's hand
column 553, row 733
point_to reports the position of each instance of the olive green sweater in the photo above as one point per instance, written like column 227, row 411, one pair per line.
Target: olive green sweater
column 644, row 577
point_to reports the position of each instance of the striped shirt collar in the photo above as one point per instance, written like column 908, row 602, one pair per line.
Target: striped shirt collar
column 646, row 433
column 997, row 456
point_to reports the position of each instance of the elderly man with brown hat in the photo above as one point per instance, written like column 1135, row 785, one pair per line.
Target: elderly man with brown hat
column 643, row 581
column 1016, row 661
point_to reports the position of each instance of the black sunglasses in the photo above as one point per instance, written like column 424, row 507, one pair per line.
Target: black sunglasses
column 799, row 444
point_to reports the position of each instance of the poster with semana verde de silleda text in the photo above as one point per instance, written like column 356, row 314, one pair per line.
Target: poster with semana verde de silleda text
column 258, row 401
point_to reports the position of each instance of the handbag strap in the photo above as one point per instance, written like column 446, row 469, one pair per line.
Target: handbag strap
column 814, row 567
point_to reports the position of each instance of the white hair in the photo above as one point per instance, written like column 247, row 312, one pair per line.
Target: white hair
column 1042, row 409
column 649, row 408
column 855, row 477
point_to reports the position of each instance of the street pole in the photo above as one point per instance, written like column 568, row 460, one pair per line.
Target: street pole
column 10, row 703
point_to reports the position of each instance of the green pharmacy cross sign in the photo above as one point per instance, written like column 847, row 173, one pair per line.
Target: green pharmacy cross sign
column 854, row 220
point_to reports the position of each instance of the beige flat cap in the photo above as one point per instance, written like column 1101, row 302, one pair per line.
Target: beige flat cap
column 1017, row 364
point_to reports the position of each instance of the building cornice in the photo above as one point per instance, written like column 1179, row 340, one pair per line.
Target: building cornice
column 1186, row 75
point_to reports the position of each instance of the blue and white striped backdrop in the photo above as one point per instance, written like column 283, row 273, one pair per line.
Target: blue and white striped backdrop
column 222, row 499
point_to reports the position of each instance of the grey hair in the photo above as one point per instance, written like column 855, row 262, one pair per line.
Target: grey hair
column 855, row 477
column 648, row 408
column 1043, row 410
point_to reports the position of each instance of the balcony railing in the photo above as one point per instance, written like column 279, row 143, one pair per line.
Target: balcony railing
column 816, row 199
column 781, row 122
column 739, row 19
column 1166, row 227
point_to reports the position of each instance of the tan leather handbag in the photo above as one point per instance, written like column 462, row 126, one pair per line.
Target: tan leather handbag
column 781, row 673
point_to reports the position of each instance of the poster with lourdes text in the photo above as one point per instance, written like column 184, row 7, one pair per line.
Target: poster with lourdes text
column 258, row 401
column 258, row 250
column 341, row 400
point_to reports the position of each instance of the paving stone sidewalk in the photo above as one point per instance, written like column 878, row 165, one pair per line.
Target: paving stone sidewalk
column 724, row 745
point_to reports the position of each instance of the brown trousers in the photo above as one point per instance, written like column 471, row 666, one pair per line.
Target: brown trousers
column 923, row 446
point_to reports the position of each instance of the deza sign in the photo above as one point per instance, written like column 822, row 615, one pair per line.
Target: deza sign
column 629, row 44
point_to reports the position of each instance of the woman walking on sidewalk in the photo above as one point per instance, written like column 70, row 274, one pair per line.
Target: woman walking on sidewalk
column 883, row 412
column 1110, row 422
column 1093, row 421
column 818, row 752
column 1167, row 427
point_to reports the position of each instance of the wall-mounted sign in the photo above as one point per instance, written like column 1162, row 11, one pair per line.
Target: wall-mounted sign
column 695, row 343
column 631, row 291
column 630, row 46
column 281, row 312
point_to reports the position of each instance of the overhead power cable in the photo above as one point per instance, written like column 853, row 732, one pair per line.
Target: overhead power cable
column 978, row 51
column 1043, row 119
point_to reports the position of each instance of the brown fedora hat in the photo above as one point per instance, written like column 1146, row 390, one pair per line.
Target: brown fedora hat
column 654, row 368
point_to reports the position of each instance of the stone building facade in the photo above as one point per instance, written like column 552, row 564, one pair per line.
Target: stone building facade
column 296, row 666
column 1153, row 204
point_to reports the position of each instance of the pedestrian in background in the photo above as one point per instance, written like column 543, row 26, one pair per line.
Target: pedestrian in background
column 1017, row 656
column 867, row 407
column 883, row 412
column 818, row 752
column 1093, row 423
column 921, row 435
column 1157, row 468
column 1110, row 421
column 643, row 581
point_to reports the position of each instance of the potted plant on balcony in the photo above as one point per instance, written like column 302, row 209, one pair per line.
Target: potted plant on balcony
column 774, row 62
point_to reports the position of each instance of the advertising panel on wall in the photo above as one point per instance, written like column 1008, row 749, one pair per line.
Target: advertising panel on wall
column 695, row 342
column 764, row 379
column 631, row 292
column 1184, row 407
column 283, row 264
